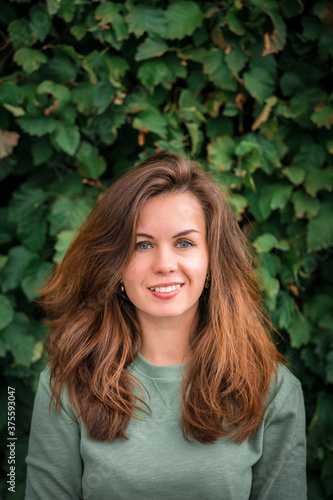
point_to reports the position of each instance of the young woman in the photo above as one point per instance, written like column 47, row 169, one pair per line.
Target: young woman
column 163, row 381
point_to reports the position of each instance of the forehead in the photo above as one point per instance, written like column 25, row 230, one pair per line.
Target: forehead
column 175, row 210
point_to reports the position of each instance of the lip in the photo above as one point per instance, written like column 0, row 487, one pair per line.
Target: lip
column 166, row 295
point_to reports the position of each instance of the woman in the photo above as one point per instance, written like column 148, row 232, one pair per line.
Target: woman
column 165, row 382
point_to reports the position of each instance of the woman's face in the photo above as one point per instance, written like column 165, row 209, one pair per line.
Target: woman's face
column 167, row 272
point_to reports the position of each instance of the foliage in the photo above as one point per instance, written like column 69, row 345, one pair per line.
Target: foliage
column 90, row 88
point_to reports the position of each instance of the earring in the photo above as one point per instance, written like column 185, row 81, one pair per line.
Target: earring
column 207, row 282
column 122, row 288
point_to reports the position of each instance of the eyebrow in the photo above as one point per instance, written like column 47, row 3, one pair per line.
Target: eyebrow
column 182, row 233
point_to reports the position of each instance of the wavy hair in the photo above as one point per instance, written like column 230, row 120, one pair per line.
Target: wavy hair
column 95, row 335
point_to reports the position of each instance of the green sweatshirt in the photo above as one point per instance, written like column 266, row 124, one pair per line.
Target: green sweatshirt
column 156, row 462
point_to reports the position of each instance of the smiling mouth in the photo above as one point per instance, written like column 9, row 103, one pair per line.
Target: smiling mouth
column 165, row 289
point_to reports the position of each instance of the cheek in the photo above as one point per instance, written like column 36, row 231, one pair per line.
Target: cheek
column 134, row 272
column 197, row 272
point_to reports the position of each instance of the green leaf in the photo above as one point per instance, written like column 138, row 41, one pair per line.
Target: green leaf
column 68, row 184
column 108, row 13
column 274, row 42
column 260, row 83
column 90, row 163
column 152, row 120
column 310, row 157
column 142, row 18
column 184, row 18
column 152, row 73
column 59, row 92
column 318, row 307
column 220, row 154
column 281, row 195
column 102, row 95
column 248, row 152
column 18, row 340
column 269, row 154
column 11, row 94
column 161, row 71
column 19, row 259
column 3, row 261
column 272, row 287
column 67, row 137
column 117, row 67
column 258, row 204
column 217, row 70
column 14, row 110
column 78, row 31
column 236, row 59
column 25, row 200
column 245, row 147
column 296, row 175
column 20, row 34
column 35, row 277
column 322, row 179
column 41, row 151
column 82, row 96
column 190, row 107
column 323, row 116
column 238, row 204
column 31, row 230
column 320, row 229
column 67, row 213
column 37, row 126
column 290, row 82
column 266, row 242
column 29, row 59
column 217, row 127
column 304, row 205
column 196, row 137
column 151, row 47
column 6, row 312
column 53, row 6
column 61, row 69
column 234, row 23
column 277, row 194
column 270, row 264
column 37, row 352
column 67, row 10
column 40, row 21
column 64, row 239
column 299, row 330
column 286, row 311
column 173, row 146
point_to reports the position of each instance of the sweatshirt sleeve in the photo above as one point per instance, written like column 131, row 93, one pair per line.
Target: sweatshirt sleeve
column 280, row 474
column 54, row 467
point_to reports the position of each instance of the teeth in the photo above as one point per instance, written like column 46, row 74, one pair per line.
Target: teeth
column 166, row 289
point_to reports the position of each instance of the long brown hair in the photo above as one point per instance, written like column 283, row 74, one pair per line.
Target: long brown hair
column 95, row 335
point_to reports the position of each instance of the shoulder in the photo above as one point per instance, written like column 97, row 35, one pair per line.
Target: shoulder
column 44, row 392
column 285, row 392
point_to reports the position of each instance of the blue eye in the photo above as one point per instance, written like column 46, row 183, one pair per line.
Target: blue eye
column 143, row 245
column 185, row 244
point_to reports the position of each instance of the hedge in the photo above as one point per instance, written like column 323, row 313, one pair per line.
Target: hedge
column 88, row 89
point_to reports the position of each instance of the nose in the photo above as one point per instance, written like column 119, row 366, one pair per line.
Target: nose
column 165, row 261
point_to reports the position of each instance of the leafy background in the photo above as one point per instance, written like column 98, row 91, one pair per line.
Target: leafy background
column 88, row 89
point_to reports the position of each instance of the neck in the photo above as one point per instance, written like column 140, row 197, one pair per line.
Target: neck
column 166, row 341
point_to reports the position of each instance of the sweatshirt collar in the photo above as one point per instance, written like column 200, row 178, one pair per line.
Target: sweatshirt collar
column 170, row 372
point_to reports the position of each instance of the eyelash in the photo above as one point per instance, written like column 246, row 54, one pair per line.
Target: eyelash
column 189, row 243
